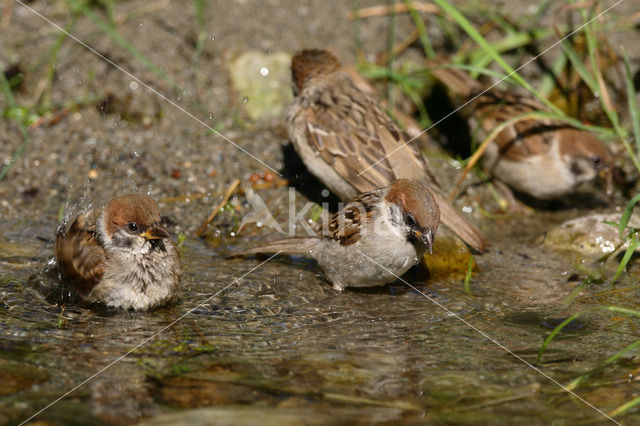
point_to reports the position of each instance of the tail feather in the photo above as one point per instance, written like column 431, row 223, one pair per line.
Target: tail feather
column 296, row 245
column 461, row 226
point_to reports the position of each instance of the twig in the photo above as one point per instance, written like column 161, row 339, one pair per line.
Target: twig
column 232, row 188
column 266, row 185
column 369, row 12
column 403, row 405
column 527, row 394
column 400, row 47
column 51, row 120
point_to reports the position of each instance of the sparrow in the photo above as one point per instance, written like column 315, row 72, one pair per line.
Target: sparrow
column 350, row 144
column 544, row 158
column 120, row 255
column 373, row 240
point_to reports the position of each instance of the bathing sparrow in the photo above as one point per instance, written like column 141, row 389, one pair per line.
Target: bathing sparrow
column 120, row 255
column 374, row 239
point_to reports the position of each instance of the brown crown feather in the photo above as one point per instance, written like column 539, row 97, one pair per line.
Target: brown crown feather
column 138, row 208
column 307, row 64
column 415, row 198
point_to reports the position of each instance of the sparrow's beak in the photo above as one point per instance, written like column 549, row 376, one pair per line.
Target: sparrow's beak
column 425, row 238
column 155, row 232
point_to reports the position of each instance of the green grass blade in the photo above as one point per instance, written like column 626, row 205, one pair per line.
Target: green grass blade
column 467, row 277
column 592, row 48
column 555, row 331
column 422, row 30
column 199, row 7
column 513, row 41
column 12, row 105
column 632, row 101
column 625, row 407
column 548, row 81
column 633, row 244
column 621, row 352
column 592, row 79
column 464, row 23
column 579, row 288
column 620, row 310
column 560, row 326
column 578, row 380
column 579, row 66
column 392, row 41
column 626, row 215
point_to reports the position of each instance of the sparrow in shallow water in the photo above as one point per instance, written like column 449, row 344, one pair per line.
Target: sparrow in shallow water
column 350, row 144
column 374, row 239
column 544, row 158
column 120, row 255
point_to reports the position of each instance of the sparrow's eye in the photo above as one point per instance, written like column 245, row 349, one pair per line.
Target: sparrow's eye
column 410, row 220
column 133, row 227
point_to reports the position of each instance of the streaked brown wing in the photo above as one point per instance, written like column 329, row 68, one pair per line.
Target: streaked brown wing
column 352, row 134
column 80, row 256
column 523, row 138
column 345, row 225
column 494, row 107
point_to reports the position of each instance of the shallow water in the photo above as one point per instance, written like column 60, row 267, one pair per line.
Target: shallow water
column 279, row 343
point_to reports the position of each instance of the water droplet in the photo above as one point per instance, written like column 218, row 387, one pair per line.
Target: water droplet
column 211, row 115
column 213, row 38
column 140, row 24
column 264, row 71
column 325, row 192
column 245, row 100
column 596, row 94
column 133, row 85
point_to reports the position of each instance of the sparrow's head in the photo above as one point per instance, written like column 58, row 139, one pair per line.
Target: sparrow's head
column 307, row 64
column 132, row 223
column 418, row 214
column 587, row 157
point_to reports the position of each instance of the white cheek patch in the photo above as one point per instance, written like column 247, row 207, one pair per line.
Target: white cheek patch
column 544, row 177
column 102, row 230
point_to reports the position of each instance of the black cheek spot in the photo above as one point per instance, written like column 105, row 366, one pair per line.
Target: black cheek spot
column 123, row 241
column 575, row 168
